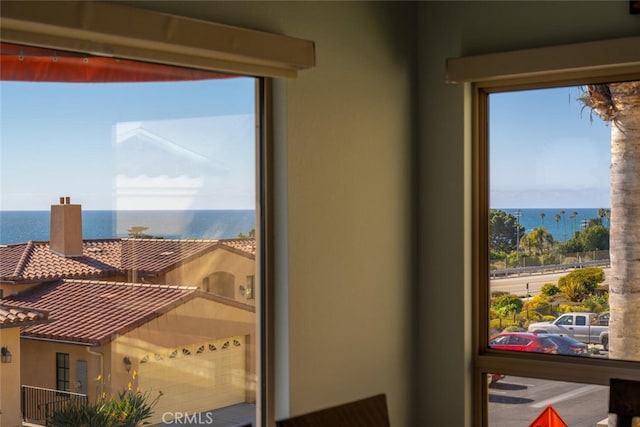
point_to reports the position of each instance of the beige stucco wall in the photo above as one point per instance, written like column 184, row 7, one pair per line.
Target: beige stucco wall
column 39, row 365
column 10, row 415
column 192, row 272
column 197, row 321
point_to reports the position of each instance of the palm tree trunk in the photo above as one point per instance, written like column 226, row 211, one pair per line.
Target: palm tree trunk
column 624, row 283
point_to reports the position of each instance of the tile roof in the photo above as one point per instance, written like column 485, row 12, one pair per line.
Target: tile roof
column 103, row 257
column 93, row 312
column 12, row 316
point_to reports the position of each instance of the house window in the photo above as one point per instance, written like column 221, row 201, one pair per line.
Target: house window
column 223, row 283
column 549, row 186
column 62, row 371
column 250, row 284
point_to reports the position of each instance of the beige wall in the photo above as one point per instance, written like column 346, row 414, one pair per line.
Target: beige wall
column 220, row 260
column 10, row 415
column 39, row 365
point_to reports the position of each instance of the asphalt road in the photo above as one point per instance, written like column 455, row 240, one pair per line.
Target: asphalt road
column 518, row 284
column 518, row 401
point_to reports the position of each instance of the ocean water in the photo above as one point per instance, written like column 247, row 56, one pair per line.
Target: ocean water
column 22, row 226
column 563, row 229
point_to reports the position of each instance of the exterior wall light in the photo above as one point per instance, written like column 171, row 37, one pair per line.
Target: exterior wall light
column 127, row 363
column 6, row 355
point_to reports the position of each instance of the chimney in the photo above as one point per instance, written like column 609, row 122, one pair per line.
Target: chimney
column 66, row 228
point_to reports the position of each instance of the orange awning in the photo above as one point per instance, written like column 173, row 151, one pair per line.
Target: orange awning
column 25, row 63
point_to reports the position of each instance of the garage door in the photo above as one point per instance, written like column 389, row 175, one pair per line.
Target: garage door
column 195, row 378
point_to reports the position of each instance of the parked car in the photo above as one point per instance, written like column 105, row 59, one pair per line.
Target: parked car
column 584, row 327
column 603, row 318
column 569, row 346
column 524, row 341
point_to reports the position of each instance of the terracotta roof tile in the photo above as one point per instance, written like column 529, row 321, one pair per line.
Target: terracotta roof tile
column 93, row 312
column 245, row 245
column 34, row 260
column 11, row 315
column 159, row 255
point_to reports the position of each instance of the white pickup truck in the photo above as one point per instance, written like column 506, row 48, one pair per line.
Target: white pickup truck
column 584, row 327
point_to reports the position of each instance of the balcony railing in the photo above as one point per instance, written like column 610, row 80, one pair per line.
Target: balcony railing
column 39, row 403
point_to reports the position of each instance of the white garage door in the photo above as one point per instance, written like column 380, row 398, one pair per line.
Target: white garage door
column 195, row 378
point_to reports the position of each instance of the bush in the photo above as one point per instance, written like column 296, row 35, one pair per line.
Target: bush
column 580, row 283
column 549, row 289
column 128, row 409
column 508, row 304
column 567, row 308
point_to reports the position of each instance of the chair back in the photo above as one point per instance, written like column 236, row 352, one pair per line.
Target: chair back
column 369, row 412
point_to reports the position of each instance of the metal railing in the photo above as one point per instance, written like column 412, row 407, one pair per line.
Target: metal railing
column 541, row 269
column 38, row 404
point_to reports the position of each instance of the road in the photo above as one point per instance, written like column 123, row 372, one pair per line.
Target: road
column 518, row 284
column 517, row 401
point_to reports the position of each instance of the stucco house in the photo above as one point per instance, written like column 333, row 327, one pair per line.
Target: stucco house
column 105, row 337
column 225, row 267
column 107, row 298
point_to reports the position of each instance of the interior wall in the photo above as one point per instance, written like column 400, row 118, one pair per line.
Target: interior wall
column 453, row 29
column 344, row 133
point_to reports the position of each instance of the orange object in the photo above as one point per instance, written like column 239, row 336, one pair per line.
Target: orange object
column 26, row 63
column 548, row 418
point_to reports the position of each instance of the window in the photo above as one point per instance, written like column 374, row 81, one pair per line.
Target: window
column 62, row 371
column 138, row 179
column 524, row 180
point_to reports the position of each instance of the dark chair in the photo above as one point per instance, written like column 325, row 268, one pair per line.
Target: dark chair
column 624, row 401
column 369, row 412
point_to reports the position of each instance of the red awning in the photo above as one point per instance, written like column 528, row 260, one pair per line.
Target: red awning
column 25, row 63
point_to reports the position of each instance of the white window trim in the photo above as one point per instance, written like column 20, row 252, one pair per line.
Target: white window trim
column 600, row 61
column 105, row 29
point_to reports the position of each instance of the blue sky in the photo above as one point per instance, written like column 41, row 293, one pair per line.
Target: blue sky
column 76, row 139
column 546, row 152
column 73, row 139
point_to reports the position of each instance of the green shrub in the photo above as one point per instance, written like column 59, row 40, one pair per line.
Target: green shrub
column 128, row 409
column 578, row 284
column 507, row 304
column 549, row 289
column 568, row 308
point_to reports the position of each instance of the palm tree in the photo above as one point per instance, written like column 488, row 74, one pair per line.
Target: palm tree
column 556, row 217
column 564, row 224
column 572, row 217
column 619, row 104
column 542, row 215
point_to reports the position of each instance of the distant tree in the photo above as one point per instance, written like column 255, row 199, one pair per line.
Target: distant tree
column 573, row 217
column 250, row 235
column 557, row 217
column 504, row 229
column 137, row 232
column 540, row 240
column 595, row 238
column 542, row 215
column 508, row 304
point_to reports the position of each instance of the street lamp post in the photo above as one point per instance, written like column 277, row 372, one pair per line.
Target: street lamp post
column 518, row 214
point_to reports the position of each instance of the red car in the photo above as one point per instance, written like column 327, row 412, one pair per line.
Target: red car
column 524, row 341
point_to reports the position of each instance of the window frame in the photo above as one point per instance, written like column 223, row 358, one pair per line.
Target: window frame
column 96, row 28
column 509, row 71
column 66, row 368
